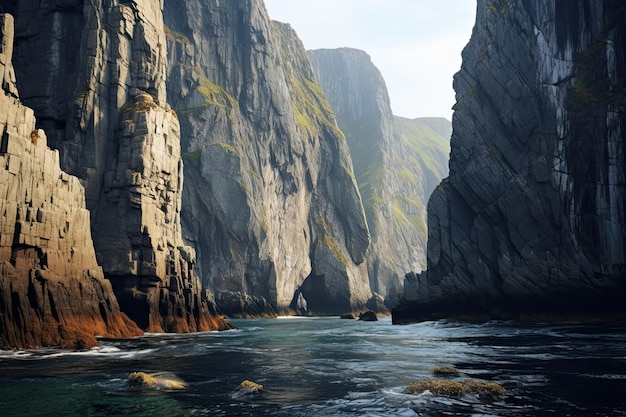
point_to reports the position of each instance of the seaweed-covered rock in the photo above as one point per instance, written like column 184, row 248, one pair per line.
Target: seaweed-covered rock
column 488, row 391
column 157, row 380
column 250, row 387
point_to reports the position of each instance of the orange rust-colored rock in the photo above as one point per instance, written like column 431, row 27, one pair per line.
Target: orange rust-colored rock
column 52, row 290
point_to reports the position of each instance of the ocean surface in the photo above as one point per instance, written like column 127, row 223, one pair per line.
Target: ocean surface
column 328, row 367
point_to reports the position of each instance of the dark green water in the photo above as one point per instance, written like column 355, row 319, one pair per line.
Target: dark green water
column 328, row 367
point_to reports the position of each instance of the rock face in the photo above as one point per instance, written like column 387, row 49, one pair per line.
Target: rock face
column 531, row 220
column 52, row 290
column 270, row 202
column 397, row 164
column 96, row 78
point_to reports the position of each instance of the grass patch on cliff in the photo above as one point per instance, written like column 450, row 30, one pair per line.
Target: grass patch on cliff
column 311, row 108
column 591, row 91
column 334, row 248
column 216, row 94
column 176, row 36
column 213, row 94
column 230, row 148
column 192, row 156
column 330, row 243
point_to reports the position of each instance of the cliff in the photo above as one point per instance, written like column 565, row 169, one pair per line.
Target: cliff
column 52, row 290
column 95, row 72
column 531, row 220
column 271, row 203
column 397, row 164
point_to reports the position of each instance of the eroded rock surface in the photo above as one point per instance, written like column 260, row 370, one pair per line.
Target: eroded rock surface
column 397, row 164
column 270, row 202
column 531, row 220
column 52, row 290
column 96, row 77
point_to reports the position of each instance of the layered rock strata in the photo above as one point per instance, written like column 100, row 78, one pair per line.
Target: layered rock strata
column 52, row 290
column 271, row 202
column 531, row 220
column 96, row 77
column 397, row 164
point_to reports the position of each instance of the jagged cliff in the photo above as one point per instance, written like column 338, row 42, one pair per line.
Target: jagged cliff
column 52, row 291
column 95, row 74
column 397, row 163
column 270, row 202
column 531, row 219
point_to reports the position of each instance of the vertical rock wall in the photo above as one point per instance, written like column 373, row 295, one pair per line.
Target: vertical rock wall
column 397, row 164
column 101, row 94
column 531, row 219
column 52, row 290
column 273, row 208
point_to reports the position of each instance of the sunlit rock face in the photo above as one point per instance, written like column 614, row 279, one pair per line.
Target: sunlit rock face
column 531, row 220
column 52, row 290
column 397, row 163
column 95, row 74
column 270, row 200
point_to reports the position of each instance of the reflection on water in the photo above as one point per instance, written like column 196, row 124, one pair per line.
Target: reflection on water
column 329, row 367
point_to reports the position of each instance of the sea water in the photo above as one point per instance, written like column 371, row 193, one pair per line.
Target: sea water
column 328, row 367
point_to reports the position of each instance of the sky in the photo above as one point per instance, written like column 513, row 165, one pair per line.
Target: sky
column 416, row 44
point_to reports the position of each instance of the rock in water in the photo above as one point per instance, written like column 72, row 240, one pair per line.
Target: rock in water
column 531, row 220
column 100, row 91
column 52, row 290
column 397, row 164
column 271, row 202
column 368, row 316
column 158, row 380
column 250, row 387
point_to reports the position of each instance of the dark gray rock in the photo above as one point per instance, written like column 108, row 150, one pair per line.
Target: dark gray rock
column 270, row 201
column 531, row 220
column 368, row 316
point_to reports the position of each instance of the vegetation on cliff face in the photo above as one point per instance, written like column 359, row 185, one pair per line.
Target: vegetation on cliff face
column 310, row 105
column 397, row 163
column 268, row 159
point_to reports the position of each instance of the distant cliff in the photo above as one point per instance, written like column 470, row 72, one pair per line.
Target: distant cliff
column 397, row 163
column 531, row 220
column 270, row 199
column 94, row 72
column 52, row 290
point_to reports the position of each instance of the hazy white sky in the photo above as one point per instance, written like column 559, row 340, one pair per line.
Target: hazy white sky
column 416, row 44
